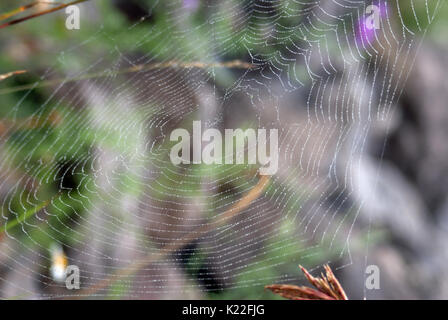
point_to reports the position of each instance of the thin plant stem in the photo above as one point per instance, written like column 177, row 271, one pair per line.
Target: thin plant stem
column 21, row 9
column 234, row 64
column 10, row 74
column 41, row 13
column 222, row 219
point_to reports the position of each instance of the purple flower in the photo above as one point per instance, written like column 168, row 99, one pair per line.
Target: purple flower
column 190, row 5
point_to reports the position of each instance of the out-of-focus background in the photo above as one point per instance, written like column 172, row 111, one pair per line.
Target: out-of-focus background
column 85, row 173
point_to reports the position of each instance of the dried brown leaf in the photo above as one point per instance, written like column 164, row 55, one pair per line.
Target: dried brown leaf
column 298, row 293
column 327, row 288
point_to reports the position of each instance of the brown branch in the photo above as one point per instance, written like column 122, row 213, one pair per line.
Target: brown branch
column 41, row 13
column 244, row 202
column 234, row 64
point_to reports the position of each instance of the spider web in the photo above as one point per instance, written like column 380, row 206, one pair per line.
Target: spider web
column 96, row 150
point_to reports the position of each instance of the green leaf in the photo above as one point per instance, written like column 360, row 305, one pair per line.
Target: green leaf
column 24, row 216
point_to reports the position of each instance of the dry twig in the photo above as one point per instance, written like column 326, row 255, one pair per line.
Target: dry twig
column 327, row 288
column 38, row 14
column 222, row 219
column 10, row 74
column 24, row 8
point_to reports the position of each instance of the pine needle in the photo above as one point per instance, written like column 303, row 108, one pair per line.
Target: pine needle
column 10, row 74
column 26, row 215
